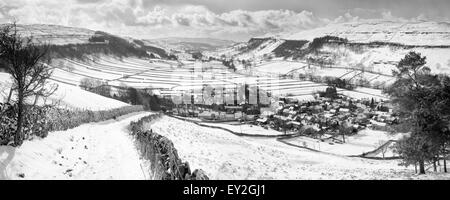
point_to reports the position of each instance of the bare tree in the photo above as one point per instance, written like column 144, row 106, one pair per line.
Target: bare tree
column 382, row 144
column 44, row 92
column 87, row 83
column 26, row 62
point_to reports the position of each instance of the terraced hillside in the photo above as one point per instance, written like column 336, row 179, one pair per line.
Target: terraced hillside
column 367, row 51
column 171, row 78
column 163, row 76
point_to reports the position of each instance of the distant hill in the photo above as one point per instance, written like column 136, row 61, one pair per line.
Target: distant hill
column 70, row 42
column 374, row 45
column 405, row 33
column 190, row 44
column 56, row 34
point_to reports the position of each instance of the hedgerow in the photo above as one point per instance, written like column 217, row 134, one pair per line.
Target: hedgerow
column 41, row 120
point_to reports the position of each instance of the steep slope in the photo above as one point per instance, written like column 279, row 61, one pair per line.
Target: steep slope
column 55, row 34
column 255, row 48
column 71, row 42
column 406, row 33
column 66, row 96
column 74, row 43
column 105, row 43
column 374, row 46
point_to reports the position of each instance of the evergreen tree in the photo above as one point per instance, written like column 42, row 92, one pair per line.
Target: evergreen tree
column 422, row 101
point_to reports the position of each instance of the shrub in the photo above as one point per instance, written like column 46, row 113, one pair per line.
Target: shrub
column 318, row 43
column 34, row 122
column 340, row 83
column 96, row 86
column 289, row 48
column 307, row 130
column 330, row 92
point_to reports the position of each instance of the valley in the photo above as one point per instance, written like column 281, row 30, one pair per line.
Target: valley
column 231, row 105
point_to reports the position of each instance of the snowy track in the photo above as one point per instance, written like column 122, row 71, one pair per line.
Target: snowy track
column 103, row 150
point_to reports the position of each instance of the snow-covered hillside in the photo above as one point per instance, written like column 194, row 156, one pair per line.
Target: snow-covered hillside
column 408, row 33
column 384, row 58
column 66, row 96
column 226, row 156
column 75, row 42
column 374, row 46
column 255, row 49
column 56, row 34
column 262, row 50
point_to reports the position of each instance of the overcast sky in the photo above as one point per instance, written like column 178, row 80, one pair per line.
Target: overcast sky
column 228, row 19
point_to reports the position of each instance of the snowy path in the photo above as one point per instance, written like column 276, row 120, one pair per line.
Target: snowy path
column 103, row 150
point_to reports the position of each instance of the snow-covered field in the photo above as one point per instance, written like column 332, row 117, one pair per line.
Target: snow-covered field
column 365, row 141
column 170, row 78
column 303, row 90
column 281, row 67
column 375, row 75
column 226, row 156
column 166, row 77
column 140, row 73
column 246, row 129
column 66, row 96
column 384, row 58
column 103, row 150
column 365, row 93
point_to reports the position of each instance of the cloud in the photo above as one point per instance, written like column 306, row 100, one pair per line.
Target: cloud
column 364, row 14
column 347, row 17
column 157, row 18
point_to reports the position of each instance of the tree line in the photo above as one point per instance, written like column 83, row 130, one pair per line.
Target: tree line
column 126, row 94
